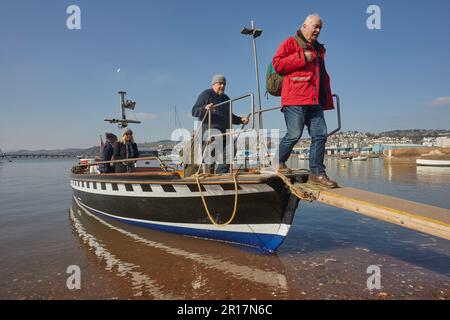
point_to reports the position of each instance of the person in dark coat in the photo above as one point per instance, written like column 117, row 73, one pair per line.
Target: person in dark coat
column 220, row 116
column 125, row 148
column 107, row 153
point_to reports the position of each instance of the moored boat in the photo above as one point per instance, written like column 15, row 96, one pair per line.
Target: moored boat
column 254, row 209
column 433, row 163
column 250, row 206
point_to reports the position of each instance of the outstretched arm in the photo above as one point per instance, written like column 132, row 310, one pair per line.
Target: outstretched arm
column 239, row 120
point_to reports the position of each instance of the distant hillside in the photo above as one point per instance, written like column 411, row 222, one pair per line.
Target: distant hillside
column 413, row 132
column 157, row 144
column 69, row 151
column 92, row 151
column 416, row 135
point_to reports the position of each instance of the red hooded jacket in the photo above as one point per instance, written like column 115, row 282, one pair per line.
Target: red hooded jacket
column 301, row 80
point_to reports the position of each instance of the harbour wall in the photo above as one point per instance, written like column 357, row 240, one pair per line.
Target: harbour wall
column 409, row 155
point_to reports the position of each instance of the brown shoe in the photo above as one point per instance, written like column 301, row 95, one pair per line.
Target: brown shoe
column 322, row 180
column 283, row 168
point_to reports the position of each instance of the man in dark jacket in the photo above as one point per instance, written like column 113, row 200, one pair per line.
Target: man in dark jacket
column 107, row 153
column 305, row 94
column 220, row 116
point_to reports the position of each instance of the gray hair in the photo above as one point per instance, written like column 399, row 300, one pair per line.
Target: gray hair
column 312, row 15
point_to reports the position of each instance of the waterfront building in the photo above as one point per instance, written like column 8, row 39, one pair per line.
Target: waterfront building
column 380, row 147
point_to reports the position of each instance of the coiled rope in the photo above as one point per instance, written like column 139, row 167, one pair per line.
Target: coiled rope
column 234, row 175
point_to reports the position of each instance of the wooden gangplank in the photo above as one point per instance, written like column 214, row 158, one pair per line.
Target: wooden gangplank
column 417, row 216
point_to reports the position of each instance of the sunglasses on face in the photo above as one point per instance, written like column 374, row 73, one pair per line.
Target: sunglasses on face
column 129, row 133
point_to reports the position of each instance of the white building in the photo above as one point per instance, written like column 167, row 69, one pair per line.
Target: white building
column 429, row 142
column 443, row 142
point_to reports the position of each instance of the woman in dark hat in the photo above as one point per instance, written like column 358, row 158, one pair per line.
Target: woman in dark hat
column 125, row 148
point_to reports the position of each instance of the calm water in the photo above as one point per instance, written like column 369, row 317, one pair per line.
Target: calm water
column 326, row 254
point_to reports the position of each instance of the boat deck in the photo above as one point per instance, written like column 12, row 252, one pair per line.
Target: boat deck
column 175, row 178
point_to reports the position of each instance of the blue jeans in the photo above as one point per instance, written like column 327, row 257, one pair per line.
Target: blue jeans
column 296, row 117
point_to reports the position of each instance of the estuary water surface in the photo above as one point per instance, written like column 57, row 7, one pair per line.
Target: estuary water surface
column 326, row 255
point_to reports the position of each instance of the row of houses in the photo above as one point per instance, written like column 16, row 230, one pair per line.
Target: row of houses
column 436, row 142
column 360, row 143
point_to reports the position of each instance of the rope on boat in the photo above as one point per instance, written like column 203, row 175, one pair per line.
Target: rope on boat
column 294, row 190
column 234, row 175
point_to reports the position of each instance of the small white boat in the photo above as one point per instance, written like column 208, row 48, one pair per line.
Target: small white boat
column 303, row 156
column 360, row 158
column 433, row 163
column 92, row 169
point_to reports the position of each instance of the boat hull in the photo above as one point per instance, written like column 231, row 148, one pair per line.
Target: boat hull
column 433, row 163
column 264, row 211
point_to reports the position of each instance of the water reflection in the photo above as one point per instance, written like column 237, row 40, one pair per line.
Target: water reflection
column 167, row 266
column 344, row 167
column 402, row 173
column 375, row 168
column 413, row 174
column 433, row 174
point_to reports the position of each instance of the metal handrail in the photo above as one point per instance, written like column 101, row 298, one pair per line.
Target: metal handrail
column 251, row 116
column 208, row 114
column 223, row 103
column 338, row 109
column 96, row 163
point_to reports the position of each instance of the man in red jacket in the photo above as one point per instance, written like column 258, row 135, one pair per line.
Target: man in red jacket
column 305, row 94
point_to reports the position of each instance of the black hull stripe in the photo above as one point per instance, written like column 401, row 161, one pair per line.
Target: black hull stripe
column 269, row 229
column 264, row 241
column 254, row 208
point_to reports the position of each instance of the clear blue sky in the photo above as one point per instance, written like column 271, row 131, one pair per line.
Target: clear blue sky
column 57, row 85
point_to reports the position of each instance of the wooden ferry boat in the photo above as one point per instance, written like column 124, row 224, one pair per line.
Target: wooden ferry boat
column 254, row 209
column 249, row 206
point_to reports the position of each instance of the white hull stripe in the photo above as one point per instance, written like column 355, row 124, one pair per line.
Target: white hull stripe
column 275, row 229
column 163, row 191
